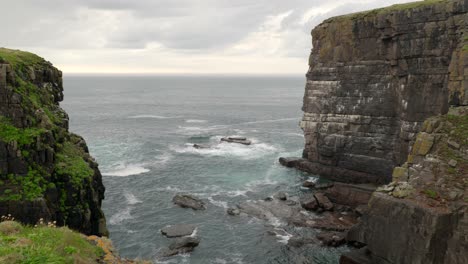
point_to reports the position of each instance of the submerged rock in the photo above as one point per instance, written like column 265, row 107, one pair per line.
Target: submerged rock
column 178, row 230
column 188, row 201
column 239, row 140
column 233, row 211
column 198, row 146
column 281, row 196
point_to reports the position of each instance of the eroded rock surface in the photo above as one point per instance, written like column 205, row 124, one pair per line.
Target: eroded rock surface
column 374, row 78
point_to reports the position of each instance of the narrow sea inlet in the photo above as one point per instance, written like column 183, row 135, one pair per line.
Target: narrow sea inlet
column 142, row 130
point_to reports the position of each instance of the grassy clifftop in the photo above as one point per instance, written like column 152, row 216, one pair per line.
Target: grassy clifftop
column 392, row 8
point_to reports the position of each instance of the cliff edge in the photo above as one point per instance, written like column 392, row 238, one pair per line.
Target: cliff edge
column 45, row 170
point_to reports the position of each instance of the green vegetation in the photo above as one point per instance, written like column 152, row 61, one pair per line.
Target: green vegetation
column 19, row 59
column 431, row 194
column 70, row 162
column 28, row 187
column 10, row 133
column 44, row 244
column 397, row 7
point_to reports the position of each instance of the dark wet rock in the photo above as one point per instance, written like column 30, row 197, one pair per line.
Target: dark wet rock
column 323, row 201
column 308, row 184
column 178, row 230
column 309, row 203
column 324, row 185
column 240, row 140
column 188, row 201
column 281, row 196
column 181, row 246
column 332, row 239
column 289, row 162
column 233, row 211
column 301, row 241
column 199, row 146
column 333, row 221
column 268, row 199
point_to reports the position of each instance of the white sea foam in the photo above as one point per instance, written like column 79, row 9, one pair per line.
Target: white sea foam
column 195, row 121
column 218, row 203
column 124, row 170
column 218, row 148
column 131, row 199
column 121, row 216
column 151, row 117
column 283, row 239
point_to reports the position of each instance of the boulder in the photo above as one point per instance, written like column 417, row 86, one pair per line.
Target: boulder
column 309, row 203
column 188, row 201
column 323, row 201
column 181, row 246
column 281, row 196
column 178, row 230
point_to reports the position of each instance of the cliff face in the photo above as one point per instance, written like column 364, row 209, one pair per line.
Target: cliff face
column 45, row 171
column 422, row 217
column 374, row 78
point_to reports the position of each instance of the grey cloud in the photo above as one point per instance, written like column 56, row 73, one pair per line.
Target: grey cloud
column 185, row 25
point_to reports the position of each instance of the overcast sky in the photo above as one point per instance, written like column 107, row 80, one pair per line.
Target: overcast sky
column 171, row 36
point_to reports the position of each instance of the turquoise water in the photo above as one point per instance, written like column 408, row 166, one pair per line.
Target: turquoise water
column 141, row 131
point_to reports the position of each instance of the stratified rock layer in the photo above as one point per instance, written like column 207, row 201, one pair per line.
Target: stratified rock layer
column 374, row 77
column 45, row 171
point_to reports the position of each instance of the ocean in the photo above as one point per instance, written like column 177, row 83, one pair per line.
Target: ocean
column 141, row 130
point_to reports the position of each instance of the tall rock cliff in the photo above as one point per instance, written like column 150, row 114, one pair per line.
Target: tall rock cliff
column 386, row 101
column 45, row 171
column 374, row 78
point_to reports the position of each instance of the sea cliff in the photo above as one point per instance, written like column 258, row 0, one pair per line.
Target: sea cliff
column 386, row 103
column 46, row 172
column 374, row 78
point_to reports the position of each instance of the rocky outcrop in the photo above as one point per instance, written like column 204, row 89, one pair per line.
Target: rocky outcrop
column 422, row 217
column 45, row 171
column 374, row 78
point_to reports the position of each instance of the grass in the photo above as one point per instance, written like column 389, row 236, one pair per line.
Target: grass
column 460, row 128
column 397, row 7
column 44, row 244
column 10, row 133
column 70, row 162
column 19, row 59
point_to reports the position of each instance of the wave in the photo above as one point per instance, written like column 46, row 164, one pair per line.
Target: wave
column 152, row 117
column 218, row 148
column 121, row 216
column 218, row 203
column 131, row 199
column 126, row 170
column 195, row 121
